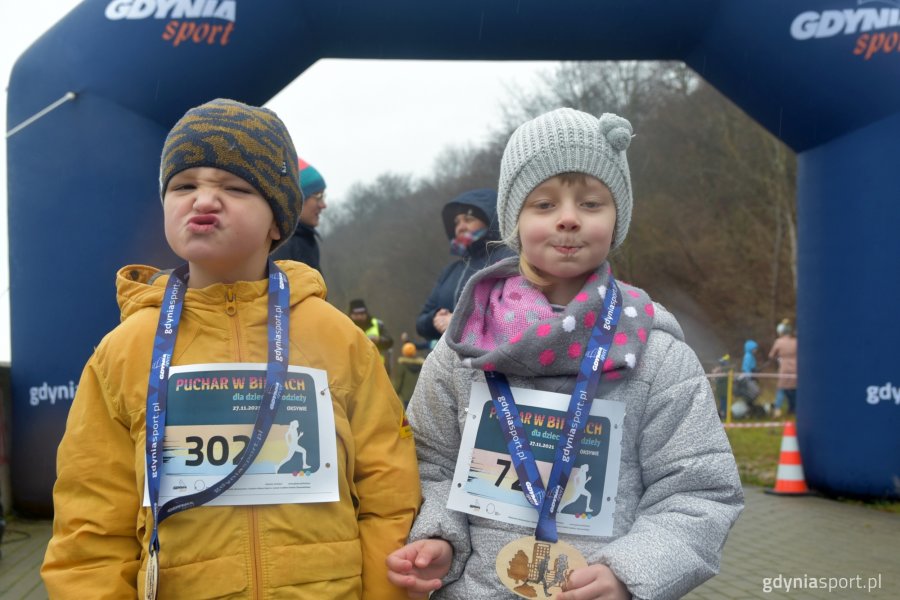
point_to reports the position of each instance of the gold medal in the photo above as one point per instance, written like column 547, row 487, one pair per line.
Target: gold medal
column 533, row 569
column 151, row 577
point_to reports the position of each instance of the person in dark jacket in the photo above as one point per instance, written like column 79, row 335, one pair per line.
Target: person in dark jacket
column 303, row 246
column 470, row 221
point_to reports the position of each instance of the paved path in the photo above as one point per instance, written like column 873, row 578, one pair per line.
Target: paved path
column 23, row 551
column 802, row 538
column 807, row 538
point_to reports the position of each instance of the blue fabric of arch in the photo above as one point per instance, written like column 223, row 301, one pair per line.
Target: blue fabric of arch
column 83, row 190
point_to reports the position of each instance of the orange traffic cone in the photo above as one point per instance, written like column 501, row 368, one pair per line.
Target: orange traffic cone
column 789, row 480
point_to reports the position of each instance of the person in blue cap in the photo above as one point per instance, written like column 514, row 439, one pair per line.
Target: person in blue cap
column 303, row 245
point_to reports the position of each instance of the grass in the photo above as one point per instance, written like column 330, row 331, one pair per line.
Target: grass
column 757, row 450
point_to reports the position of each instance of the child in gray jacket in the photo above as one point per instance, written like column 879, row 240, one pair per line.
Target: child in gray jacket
column 507, row 409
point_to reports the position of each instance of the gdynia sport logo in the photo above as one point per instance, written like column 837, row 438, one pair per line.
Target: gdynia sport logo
column 868, row 20
column 188, row 21
column 47, row 392
column 876, row 394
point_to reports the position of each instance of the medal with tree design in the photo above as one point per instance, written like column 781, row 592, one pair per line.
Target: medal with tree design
column 533, row 569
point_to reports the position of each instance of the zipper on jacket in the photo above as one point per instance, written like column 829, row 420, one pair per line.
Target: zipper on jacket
column 231, row 311
column 256, row 572
column 230, row 304
column 460, row 283
column 257, row 575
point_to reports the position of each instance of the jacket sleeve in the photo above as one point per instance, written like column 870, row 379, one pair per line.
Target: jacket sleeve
column 95, row 551
column 692, row 492
column 425, row 320
column 385, row 474
column 433, row 416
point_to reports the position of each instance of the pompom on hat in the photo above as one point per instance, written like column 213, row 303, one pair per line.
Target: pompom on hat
column 248, row 141
column 565, row 141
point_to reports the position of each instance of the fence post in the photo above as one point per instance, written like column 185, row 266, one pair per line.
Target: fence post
column 729, row 395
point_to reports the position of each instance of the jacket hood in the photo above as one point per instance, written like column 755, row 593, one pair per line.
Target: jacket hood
column 750, row 346
column 141, row 286
column 483, row 204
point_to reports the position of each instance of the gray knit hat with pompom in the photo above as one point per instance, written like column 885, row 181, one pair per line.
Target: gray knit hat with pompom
column 565, row 141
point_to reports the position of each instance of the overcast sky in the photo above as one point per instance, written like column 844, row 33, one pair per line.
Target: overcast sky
column 351, row 119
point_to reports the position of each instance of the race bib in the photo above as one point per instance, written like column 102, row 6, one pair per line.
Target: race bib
column 485, row 483
column 210, row 415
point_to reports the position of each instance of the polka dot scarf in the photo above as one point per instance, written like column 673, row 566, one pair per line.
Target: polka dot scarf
column 504, row 323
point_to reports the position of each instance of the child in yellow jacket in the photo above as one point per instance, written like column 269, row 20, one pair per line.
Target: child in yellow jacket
column 235, row 436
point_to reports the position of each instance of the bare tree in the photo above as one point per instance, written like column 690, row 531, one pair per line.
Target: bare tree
column 713, row 234
column 632, row 88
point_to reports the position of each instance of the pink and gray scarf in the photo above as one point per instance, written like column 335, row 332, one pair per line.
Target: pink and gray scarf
column 504, row 323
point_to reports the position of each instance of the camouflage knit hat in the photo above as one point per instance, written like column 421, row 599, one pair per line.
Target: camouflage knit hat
column 247, row 141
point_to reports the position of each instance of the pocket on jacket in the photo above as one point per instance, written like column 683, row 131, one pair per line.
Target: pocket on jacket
column 217, row 578
column 324, row 561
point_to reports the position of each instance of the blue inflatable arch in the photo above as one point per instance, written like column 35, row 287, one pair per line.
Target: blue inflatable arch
column 83, row 200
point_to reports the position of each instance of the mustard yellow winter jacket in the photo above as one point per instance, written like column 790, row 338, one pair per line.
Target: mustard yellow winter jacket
column 315, row 551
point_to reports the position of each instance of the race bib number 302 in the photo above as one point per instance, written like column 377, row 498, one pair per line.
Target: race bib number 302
column 210, row 416
column 485, row 483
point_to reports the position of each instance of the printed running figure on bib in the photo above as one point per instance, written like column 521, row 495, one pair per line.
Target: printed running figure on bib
column 292, row 439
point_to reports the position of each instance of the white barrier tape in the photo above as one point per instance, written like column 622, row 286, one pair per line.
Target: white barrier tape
column 753, row 376
column 746, row 425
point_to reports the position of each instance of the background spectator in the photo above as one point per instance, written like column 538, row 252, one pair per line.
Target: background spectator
column 374, row 328
column 784, row 350
column 470, row 221
column 303, row 245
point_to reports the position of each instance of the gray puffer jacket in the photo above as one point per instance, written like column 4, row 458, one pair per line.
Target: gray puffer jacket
column 678, row 489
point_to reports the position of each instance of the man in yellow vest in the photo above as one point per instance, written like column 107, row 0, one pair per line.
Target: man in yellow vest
column 374, row 328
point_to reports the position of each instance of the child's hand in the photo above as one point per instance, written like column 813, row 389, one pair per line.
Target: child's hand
column 419, row 567
column 594, row 582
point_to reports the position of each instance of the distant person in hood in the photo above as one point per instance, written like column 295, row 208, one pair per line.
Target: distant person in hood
column 745, row 385
column 470, row 221
column 303, row 245
column 748, row 365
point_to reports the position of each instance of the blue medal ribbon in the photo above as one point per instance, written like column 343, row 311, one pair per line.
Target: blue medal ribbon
column 547, row 500
column 158, row 388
